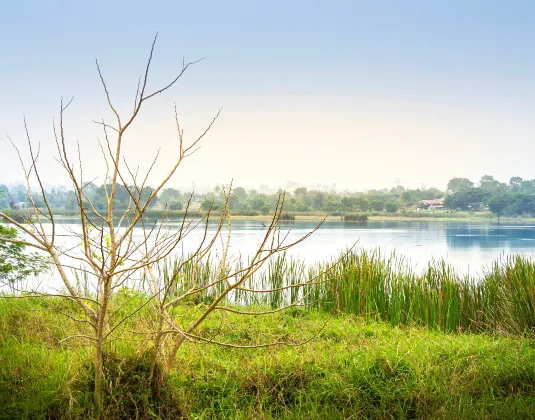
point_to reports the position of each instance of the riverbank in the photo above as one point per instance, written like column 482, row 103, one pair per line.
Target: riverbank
column 424, row 215
column 350, row 369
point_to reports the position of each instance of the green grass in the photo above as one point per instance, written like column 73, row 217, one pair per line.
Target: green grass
column 352, row 368
column 383, row 288
column 382, row 341
column 386, row 288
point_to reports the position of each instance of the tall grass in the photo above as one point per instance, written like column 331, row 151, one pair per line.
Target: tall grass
column 356, row 217
column 386, row 288
column 353, row 368
column 287, row 216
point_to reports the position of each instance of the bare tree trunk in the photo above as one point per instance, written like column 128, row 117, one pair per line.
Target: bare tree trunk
column 99, row 346
column 157, row 345
column 172, row 354
column 97, row 393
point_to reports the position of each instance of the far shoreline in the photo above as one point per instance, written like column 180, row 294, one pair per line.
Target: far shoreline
column 480, row 218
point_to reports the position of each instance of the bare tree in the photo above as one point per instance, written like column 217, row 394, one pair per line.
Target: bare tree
column 109, row 255
column 172, row 289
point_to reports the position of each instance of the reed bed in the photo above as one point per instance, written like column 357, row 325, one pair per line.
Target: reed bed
column 368, row 284
column 386, row 288
column 356, row 217
column 287, row 216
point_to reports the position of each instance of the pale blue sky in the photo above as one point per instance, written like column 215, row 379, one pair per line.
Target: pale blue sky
column 357, row 93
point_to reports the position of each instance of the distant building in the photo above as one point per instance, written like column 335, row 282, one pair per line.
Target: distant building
column 435, row 204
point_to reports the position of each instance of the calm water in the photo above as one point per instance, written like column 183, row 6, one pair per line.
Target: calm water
column 468, row 246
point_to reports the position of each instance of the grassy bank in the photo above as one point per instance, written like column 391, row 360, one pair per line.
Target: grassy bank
column 371, row 339
column 351, row 369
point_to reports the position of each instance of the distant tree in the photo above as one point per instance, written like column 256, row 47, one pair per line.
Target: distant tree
column 331, row 205
column 18, row 193
column 363, row 204
column 258, row 202
column 498, row 204
column 432, row 193
column 169, row 195
column 488, row 183
column 522, row 204
column 300, row 191
column 528, row 186
column 264, row 210
column 175, row 205
column 207, row 204
column 240, row 193
column 318, row 200
column 377, row 205
column 146, row 193
column 391, row 207
column 470, row 199
column 4, row 196
column 348, row 203
column 398, row 190
column 459, row 184
column 515, row 183
column 302, row 207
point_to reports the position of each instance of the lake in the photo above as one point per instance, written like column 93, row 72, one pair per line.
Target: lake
column 468, row 246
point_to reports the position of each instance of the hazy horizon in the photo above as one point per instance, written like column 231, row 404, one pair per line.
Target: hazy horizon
column 363, row 95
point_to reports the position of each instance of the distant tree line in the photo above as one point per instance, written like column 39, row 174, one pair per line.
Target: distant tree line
column 516, row 198
column 64, row 199
column 299, row 200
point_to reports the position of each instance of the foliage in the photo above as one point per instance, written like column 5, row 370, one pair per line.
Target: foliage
column 240, row 200
column 459, row 184
column 498, row 204
column 467, row 199
column 461, row 195
column 517, row 198
column 391, row 207
column 15, row 264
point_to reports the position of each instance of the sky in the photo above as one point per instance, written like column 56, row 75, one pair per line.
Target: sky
column 361, row 94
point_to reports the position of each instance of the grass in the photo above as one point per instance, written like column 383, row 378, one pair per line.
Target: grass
column 353, row 368
column 356, row 217
column 382, row 342
column 386, row 288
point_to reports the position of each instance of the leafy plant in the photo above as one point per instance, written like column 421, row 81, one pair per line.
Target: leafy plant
column 15, row 263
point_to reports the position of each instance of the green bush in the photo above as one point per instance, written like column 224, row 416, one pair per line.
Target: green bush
column 356, row 217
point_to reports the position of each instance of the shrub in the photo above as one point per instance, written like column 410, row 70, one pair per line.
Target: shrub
column 356, row 217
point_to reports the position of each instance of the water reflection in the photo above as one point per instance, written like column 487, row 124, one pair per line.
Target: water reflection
column 490, row 236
